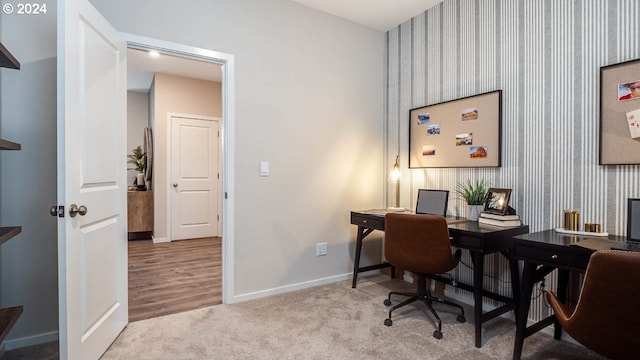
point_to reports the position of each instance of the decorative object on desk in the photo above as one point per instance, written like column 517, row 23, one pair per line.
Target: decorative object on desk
column 500, row 220
column 394, row 177
column 457, row 133
column 138, row 159
column 571, row 220
column 582, row 233
column 619, row 105
column 497, row 201
column 475, row 195
column 592, row 227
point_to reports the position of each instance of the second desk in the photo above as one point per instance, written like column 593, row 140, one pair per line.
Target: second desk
column 478, row 239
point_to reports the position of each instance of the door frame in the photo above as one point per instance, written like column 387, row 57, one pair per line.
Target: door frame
column 170, row 116
column 227, row 140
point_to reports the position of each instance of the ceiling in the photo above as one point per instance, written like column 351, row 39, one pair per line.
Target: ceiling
column 141, row 66
column 381, row 15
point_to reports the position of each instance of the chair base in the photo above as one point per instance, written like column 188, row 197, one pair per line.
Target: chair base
column 425, row 296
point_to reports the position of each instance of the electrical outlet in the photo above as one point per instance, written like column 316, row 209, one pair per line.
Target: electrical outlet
column 321, row 249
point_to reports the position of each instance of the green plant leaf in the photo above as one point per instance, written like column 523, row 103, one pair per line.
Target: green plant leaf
column 473, row 193
column 138, row 159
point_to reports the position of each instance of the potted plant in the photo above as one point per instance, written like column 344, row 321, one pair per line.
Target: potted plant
column 475, row 195
column 138, row 159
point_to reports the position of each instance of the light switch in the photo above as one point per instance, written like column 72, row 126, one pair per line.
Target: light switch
column 264, row 168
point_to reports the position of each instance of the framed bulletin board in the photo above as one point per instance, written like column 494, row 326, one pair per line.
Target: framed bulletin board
column 620, row 113
column 458, row 133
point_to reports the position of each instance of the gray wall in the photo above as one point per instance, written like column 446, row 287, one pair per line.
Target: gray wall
column 28, row 267
column 546, row 57
column 308, row 99
column 137, row 120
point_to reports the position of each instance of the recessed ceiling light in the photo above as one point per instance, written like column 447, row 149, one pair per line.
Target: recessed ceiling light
column 154, row 54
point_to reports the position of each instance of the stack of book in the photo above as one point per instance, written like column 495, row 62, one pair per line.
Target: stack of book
column 499, row 220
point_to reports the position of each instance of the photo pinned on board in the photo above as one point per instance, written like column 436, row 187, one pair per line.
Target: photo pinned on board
column 478, row 152
column 470, row 114
column 428, row 150
column 464, row 139
column 629, row 91
column 433, row 129
column 424, row 118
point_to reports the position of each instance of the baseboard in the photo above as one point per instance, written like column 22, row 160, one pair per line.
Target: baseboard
column 289, row 288
column 160, row 239
column 30, row 340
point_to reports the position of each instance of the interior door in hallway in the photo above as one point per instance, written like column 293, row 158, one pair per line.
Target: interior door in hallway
column 195, row 177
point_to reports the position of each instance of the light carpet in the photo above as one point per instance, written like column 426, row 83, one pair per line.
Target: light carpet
column 328, row 322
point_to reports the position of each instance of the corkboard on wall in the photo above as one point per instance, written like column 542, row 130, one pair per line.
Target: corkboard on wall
column 620, row 113
column 458, row 133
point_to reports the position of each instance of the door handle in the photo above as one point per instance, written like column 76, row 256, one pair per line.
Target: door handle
column 175, row 185
column 75, row 209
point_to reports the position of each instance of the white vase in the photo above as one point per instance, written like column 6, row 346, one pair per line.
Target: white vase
column 474, row 212
column 140, row 179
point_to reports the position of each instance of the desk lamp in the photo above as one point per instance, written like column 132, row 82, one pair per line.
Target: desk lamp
column 395, row 178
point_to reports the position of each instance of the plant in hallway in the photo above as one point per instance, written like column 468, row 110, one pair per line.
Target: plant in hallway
column 475, row 194
column 138, row 159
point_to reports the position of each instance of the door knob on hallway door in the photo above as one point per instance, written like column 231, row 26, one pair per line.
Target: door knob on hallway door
column 175, row 185
column 75, row 209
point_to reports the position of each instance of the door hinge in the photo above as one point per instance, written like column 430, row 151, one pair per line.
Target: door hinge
column 218, row 175
column 218, row 216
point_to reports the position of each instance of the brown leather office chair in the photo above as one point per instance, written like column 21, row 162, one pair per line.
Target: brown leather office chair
column 419, row 244
column 606, row 318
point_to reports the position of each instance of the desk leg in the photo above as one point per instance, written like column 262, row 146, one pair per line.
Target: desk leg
column 563, row 285
column 356, row 260
column 478, row 285
column 515, row 282
column 528, row 282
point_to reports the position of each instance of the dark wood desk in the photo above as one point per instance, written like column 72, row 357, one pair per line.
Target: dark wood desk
column 542, row 252
column 478, row 239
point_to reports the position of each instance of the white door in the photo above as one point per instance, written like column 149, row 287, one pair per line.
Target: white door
column 92, row 248
column 194, row 177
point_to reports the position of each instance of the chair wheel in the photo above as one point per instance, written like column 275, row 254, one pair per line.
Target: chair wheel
column 437, row 334
column 461, row 319
column 388, row 322
column 387, row 302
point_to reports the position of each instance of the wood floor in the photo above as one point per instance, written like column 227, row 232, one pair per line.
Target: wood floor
column 168, row 278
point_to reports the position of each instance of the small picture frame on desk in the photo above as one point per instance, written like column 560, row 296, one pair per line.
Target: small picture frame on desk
column 497, row 201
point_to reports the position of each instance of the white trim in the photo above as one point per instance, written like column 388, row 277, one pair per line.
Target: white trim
column 289, row 288
column 157, row 240
column 227, row 140
column 30, row 340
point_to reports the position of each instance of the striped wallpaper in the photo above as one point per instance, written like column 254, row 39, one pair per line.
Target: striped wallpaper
column 545, row 55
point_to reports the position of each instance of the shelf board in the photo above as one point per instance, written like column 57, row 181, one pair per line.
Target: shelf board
column 7, row 60
column 8, row 318
column 7, row 233
column 9, row 145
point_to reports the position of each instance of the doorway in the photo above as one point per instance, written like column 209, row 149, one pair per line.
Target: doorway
column 223, row 122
